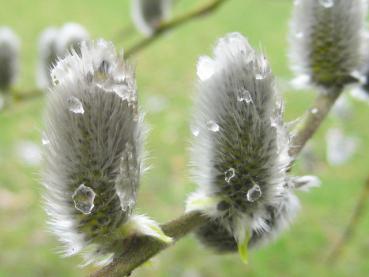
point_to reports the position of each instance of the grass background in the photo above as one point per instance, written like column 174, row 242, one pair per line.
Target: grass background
column 166, row 81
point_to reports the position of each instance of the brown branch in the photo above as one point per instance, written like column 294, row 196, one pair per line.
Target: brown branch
column 352, row 224
column 169, row 25
column 313, row 119
column 21, row 96
column 141, row 249
column 15, row 96
column 125, row 33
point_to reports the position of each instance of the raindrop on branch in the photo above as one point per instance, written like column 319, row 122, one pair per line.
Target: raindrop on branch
column 314, row 111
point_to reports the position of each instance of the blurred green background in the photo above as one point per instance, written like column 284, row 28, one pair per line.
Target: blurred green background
column 166, row 82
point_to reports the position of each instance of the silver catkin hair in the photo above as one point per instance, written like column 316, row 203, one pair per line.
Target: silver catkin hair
column 94, row 152
column 326, row 40
column 240, row 149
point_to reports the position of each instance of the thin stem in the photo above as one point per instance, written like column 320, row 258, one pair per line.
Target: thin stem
column 15, row 96
column 18, row 96
column 125, row 33
column 143, row 248
column 169, row 25
column 351, row 227
column 313, row 119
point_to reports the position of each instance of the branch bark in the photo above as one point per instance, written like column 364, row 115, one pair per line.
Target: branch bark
column 169, row 25
column 350, row 229
column 141, row 249
column 313, row 119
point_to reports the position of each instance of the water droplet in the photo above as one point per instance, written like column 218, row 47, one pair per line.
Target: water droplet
column 120, row 89
column 244, row 96
column 75, row 105
column 229, row 174
column 212, row 126
column 195, row 130
column 327, row 3
column 83, row 198
column 44, row 139
column 314, row 110
column 205, row 68
column 259, row 76
column 254, row 193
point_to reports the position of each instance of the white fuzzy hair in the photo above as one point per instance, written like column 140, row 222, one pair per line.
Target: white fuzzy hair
column 47, row 56
column 327, row 40
column 95, row 138
column 9, row 57
column 237, row 95
column 70, row 36
column 148, row 14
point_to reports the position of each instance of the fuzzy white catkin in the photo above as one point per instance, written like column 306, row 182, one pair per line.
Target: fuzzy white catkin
column 70, row 36
column 240, row 149
column 93, row 143
column 47, row 56
column 9, row 58
column 57, row 42
column 148, row 14
column 327, row 40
